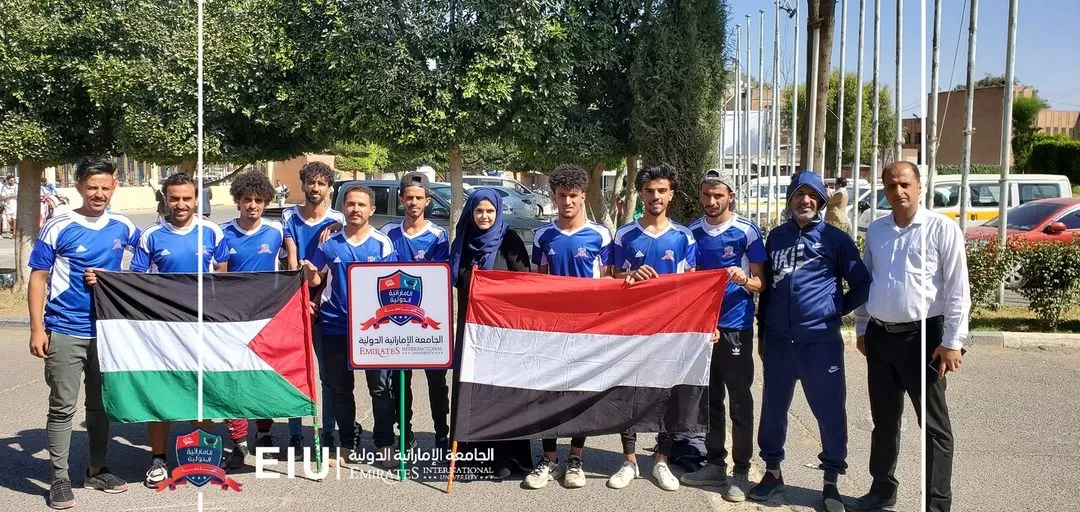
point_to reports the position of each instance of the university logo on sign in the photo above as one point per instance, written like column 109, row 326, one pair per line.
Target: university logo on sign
column 400, row 295
column 198, row 456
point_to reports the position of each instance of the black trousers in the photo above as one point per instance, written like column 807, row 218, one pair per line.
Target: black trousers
column 731, row 373
column 339, row 378
column 438, row 397
column 894, row 368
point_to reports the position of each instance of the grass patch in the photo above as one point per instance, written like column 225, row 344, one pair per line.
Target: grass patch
column 1021, row 320
column 1076, row 190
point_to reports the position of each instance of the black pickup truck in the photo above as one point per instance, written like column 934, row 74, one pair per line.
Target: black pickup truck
column 387, row 208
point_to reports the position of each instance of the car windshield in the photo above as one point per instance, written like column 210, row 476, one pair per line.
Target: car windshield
column 443, row 192
column 1027, row 217
column 503, row 192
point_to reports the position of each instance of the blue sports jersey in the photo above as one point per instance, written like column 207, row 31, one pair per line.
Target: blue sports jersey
column 257, row 250
column 669, row 252
column 334, row 257
column 579, row 253
column 735, row 243
column 305, row 234
column 168, row 249
column 430, row 244
column 68, row 245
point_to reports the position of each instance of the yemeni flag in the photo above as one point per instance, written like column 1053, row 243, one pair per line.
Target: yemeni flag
column 548, row 356
column 256, row 356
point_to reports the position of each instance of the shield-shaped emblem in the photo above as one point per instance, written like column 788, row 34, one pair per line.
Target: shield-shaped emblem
column 198, row 447
column 400, row 288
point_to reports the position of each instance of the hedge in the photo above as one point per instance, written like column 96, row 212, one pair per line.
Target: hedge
column 1056, row 156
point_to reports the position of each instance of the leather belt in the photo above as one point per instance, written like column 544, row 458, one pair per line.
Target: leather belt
column 897, row 327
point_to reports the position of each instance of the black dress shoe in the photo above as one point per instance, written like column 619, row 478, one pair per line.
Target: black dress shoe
column 871, row 502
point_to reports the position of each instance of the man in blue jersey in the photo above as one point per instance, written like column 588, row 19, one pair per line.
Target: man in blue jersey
column 70, row 246
column 304, row 226
column 644, row 249
column 358, row 242
column 570, row 246
column 255, row 245
column 419, row 240
column 173, row 245
column 726, row 240
column 800, row 307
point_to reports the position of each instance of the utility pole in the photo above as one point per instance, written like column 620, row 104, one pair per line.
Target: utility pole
column 875, row 120
column 1006, row 134
column 774, row 114
column 811, row 106
column 749, row 101
column 856, row 165
column 969, row 107
column 922, row 82
column 935, row 65
column 840, row 101
column 760, row 109
column 736, row 164
column 899, row 145
column 794, row 95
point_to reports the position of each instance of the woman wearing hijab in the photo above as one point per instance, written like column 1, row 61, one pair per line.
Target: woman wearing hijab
column 483, row 240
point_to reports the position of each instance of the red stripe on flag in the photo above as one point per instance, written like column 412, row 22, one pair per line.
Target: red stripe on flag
column 284, row 343
column 538, row 302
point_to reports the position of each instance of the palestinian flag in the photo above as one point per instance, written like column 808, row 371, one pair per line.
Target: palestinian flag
column 547, row 356
column 256, row 355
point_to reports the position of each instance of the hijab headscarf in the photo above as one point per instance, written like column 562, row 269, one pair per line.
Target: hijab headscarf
column 473, row 246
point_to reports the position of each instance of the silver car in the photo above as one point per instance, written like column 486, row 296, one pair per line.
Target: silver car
column 520, row 205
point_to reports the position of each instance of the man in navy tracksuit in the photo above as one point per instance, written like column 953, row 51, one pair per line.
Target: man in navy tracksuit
column 799, row 338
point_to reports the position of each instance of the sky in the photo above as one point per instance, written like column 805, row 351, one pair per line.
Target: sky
column 1047, row 49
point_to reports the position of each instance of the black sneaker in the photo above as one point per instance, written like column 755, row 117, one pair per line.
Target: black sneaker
column 158, row 472
column 831, row 499
column 265, row 440
column 297, row 444
column 105, row 481
column 767, row 487
column 236, row 457
column 60, row 495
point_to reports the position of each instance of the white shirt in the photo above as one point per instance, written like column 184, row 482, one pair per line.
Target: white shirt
column 919, row 271
column 10, row 190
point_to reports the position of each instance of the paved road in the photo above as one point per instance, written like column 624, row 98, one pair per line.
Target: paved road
column 24, row 464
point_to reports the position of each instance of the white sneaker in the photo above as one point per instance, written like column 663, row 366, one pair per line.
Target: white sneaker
column 546, row 471
column 662, row 473
column 575, row 474
column 626, row 474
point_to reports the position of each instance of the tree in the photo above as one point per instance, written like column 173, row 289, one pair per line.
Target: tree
column 453, row 73
column 887, row 119
column 821, row 16
column 677, row 78
column 48, row 113
column 1025, row 113
column 595, row 131
column 987, row 80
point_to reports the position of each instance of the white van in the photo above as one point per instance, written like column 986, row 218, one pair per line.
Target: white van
column 760, row 194
column 984, row 195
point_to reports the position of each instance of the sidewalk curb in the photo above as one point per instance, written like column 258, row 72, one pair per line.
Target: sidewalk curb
column 14, row 322
column 1005, row 339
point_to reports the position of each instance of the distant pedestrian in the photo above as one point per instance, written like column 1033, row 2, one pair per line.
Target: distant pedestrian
column 281, row 193
column 9, row 193
column 836, row 213
column 919, row 267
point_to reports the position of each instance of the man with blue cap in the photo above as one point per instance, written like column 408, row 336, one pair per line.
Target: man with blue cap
column 799, row 312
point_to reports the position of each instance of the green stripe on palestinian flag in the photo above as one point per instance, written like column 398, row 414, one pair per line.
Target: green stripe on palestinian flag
column 255, row 346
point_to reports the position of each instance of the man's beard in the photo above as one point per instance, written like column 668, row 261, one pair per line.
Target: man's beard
column 311, row 198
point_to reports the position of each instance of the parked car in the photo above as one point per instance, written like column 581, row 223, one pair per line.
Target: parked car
column 388, row 208
column 984, row 195
column 537, row 197
column 519, row 204
column 1043, row 220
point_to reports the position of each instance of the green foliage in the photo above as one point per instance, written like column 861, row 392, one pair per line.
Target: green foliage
column 987, row 80
column 946, row 169
column 1025, row 113
column 676, row 78
column 1056, row 156
column 987, row 264
column 1052, row 279
column 357, row 157
column 886, row 117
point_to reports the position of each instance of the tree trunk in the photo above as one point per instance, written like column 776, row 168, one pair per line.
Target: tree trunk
column 595, row 196
column 631, row 189
column 188, row 167
column 613, row 202
column 27, row 215
column 457, row 188
column 821, row 14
